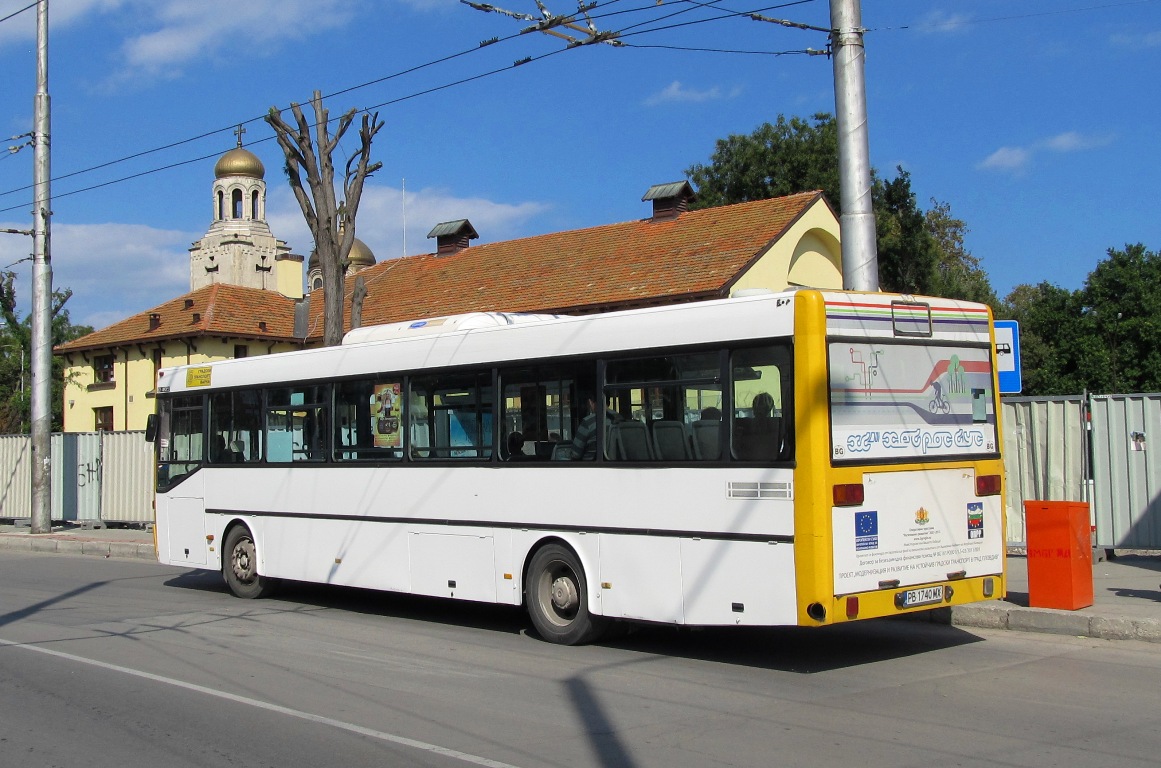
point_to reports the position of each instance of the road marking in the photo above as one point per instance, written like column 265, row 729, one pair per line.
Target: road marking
column 369, row 732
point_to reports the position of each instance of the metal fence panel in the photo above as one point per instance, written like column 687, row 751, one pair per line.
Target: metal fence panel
column 1044, row 454
column 127, row 478
column 1126, row 473
column 76, row 476
column 15, row 475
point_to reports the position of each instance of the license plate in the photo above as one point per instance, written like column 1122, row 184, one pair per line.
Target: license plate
column 913, row 598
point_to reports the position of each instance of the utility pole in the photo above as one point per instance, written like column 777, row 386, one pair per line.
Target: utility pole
column 41, row 289
column 857, row 225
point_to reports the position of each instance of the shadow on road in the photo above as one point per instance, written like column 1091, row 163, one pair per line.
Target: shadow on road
column 790, row 649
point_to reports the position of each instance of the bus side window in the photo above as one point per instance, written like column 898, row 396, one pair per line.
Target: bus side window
column 457, row 416
column 538, row 403
column 761, row 383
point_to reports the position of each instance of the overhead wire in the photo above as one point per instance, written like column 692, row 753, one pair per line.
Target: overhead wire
column 14, row 14
column 693, row 5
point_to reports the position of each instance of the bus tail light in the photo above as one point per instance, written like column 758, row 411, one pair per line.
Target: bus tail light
column 987, row 485
column 853, row 607
column 848, row 495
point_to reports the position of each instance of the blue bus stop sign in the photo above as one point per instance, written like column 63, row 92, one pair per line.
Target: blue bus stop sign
column 1008, row 356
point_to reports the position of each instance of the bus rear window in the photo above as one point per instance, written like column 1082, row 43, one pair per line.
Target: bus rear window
column 908, row 402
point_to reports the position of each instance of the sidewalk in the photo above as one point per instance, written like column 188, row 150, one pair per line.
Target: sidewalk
column 1126, row 590
column 1126, row 603
column 76, row 540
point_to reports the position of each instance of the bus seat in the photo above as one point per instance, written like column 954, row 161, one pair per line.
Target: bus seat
column 671, row 441
column 758, row 439
column 707, row 436
column 630, row 441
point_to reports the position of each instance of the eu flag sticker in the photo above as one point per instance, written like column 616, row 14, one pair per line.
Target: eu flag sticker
column 866, row 530
column 975, row 520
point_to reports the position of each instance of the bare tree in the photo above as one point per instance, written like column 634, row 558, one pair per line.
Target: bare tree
column 331, row 221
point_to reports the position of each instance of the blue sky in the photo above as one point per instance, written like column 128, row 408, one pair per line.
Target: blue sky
column 1036, row 121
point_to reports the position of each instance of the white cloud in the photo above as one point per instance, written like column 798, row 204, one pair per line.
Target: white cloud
column 1019, row 159
column 1007, row 159
column 380, row 222
column 61, row 14
column 178, row 32
column 676, row 93
column 940, row 22
column 1071, row 141
column 113, row 270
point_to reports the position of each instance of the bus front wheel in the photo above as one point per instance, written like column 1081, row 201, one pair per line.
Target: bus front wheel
column 557, row 598
column 240, row 566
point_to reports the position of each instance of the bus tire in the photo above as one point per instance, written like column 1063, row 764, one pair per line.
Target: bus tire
column 240, row 565
column 557, row 598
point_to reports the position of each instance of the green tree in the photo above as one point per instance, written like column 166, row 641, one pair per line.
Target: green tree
column 918, row 252
column 15, row 358
column 1121, row 300
column 907, row 251
column 785, row 158
column 1052, row 337
column 958, row 274
column 1103, row 338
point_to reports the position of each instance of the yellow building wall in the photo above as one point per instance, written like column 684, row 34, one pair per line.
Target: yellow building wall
column 809, row 254
column 130, row 393
column 288, row 274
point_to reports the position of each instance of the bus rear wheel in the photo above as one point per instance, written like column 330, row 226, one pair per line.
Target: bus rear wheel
column 558, row 600
column 240, row 565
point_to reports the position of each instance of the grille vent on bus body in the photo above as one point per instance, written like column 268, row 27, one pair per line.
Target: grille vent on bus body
column 759, row 490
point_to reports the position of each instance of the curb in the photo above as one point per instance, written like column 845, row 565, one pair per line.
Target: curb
column 1049, row 621
column 119, row 549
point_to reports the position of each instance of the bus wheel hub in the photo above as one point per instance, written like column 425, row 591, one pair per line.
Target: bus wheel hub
column 564, row 594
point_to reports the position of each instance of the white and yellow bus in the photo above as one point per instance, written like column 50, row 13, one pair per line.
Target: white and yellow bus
column 803, row 458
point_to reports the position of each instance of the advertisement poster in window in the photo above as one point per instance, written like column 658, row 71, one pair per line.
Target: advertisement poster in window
column 385, row 405
column 910, row 401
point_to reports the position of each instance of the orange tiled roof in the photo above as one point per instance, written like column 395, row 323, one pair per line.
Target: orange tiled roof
column 697, row 255
column 215, row 310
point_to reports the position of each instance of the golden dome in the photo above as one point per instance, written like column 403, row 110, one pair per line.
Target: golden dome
column 239, row 162
column 359, row 257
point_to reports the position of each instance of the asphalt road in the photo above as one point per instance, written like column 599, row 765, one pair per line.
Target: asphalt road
column 127, row 663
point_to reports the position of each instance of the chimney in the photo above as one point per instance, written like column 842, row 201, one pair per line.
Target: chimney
column 452, row 236
column 154, row 321
column 670, row 200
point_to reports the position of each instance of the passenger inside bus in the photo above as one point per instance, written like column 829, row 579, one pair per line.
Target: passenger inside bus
column 584, row 440
column 515, row 444
column 758, row 438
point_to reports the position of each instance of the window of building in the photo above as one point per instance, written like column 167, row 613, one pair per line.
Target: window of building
column 254, row 205
column 103, row 419
column 241, row 350
column 221, row 205
column 157, row 356
column 236, row 203
column 103, row 369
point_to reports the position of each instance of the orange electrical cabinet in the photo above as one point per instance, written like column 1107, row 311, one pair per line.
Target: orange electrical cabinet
column 1059, row 554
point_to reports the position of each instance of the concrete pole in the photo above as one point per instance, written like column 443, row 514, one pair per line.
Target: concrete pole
column 41, row 290
column 857, row 225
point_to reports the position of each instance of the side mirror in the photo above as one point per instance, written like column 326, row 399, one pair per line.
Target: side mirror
column 151, row 428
